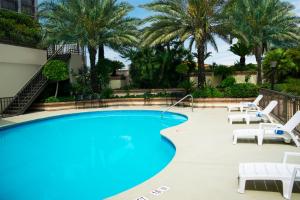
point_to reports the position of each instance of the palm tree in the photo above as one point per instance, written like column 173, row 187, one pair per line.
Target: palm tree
column 241, row 49
column 91, row 23
column 195, row 20
column 263, row 23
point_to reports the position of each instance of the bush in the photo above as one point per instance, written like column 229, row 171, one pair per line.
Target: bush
column 227, row 82
column 52, row 100
column 207, row 92
column 187, row 85
column 291, row 86
column 222, row 70
column 106, row 93
column 19, row 29
column 242, row 90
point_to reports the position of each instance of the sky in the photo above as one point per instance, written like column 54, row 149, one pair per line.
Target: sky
column 223, row 56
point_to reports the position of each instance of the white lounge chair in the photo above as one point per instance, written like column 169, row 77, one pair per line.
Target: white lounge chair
column 254, row 115
column 285, row 172
column 271, row 131
column 246, row 105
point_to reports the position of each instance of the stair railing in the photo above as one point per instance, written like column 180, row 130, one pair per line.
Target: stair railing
column 173, row 105
column 35, row 76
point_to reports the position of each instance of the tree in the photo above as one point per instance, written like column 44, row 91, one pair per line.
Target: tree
column 284, row 64
column 241, row 49
column 197, row 21
column 91, row 23
column 56, row 70
column 263, row 23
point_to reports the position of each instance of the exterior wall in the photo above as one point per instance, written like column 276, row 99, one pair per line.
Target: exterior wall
column 75, row 63
column 216, row 80
column 17, row 66
column 117, row 83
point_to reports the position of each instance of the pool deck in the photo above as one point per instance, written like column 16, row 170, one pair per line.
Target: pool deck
column 206, row 162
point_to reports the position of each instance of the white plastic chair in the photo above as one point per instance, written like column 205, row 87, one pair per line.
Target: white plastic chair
column 246, row 105
column 270, row 131
column 285, row 172
column 254, row 115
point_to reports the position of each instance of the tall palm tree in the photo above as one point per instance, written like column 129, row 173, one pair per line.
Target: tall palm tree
column 91, row 23
column 263, row 23
column 198, row 21
column 242, row 50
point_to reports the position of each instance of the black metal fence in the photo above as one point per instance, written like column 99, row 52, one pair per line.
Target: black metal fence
column 287, row 106
column 4, row 102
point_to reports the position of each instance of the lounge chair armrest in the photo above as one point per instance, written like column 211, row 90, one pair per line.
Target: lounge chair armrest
column 269, row 125
column 251, row 111
column 290, row 154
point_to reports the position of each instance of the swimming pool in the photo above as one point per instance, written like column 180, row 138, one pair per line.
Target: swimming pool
column 86, row 156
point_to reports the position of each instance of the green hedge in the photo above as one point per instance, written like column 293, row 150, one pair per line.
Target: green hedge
column 19, row 29
column 242, row 90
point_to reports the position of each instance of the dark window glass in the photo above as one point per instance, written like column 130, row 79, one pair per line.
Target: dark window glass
column 27, row 6
column 10, row 4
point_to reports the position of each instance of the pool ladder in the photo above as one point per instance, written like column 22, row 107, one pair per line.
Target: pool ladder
column 173, row 105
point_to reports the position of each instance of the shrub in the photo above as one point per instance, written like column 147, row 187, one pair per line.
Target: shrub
column 222, row 70
column 242, row 90
column 52, row 99
column 106, row 93
column 290, row 86
column 19, row 29
column 207, row 92
column 187, row 85
column 284, row 66
column 227, row 82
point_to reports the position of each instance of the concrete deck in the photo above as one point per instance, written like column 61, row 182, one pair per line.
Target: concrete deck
column 206, row 163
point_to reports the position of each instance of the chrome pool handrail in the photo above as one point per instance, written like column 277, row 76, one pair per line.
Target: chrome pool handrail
column 173, row 105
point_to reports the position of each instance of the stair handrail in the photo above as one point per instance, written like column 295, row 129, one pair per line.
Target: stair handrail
column 34, row 76
column 173, row 105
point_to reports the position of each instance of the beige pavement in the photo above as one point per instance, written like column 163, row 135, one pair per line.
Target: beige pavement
column 206, row 163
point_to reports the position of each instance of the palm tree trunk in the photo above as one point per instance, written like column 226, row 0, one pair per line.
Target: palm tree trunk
column 258, row 55
column 201, row 67
column 93, row 74
column 100, row 52
column 243, row 61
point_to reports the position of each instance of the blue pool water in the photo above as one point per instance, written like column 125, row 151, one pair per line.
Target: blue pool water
column 87, row 156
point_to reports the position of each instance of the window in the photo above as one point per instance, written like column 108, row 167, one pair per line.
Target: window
column 27, row 7
column 10, row 4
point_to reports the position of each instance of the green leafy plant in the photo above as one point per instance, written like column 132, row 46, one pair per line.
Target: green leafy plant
column 52, row 99
column 242, row 50
column 222, row 70
column 284, row 64
column 227, row 82
column 187, row 85
column 56, row 70
column 291, row 86
column 19, row 29
column 106, row 93
column 207, row 92
column 241, row 90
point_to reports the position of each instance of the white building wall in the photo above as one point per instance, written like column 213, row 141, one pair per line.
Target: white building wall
column 17, row 66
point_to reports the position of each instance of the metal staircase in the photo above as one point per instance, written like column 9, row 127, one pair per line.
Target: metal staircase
column 31, row 90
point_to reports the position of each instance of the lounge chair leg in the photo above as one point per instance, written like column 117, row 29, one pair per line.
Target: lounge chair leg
column 287, row 191
column 260, row 140
column 242, row 184
column 234, row 138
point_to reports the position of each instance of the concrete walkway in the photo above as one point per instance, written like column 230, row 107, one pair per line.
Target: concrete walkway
column 206, row 163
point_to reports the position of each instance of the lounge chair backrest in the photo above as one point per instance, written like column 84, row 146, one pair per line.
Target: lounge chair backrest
column 257, row 100
column 270, row 107
column 292, row 123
